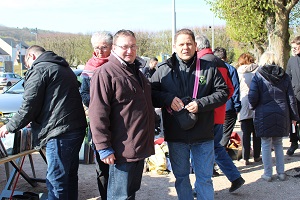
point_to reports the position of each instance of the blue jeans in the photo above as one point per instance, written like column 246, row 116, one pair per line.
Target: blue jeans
column 266, row 144
column 62, row 153
column 124, row 180
column 221, row 156
column 203, row 162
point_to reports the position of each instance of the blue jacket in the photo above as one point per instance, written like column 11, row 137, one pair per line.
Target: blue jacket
column 234, row 103
column 271, row 96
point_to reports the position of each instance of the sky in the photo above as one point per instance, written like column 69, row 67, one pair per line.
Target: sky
column 87, row 16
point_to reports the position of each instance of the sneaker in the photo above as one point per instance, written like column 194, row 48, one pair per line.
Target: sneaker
column 292, row 149
column 266, row 178
column 236, row 184
column 281, row 177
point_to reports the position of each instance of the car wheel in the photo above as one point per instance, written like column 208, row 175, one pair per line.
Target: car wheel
column 8, row 84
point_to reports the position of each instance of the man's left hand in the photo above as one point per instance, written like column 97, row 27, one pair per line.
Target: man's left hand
column 3, row 131
column 192, row 107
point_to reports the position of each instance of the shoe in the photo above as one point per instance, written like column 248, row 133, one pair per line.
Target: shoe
column 194, row 193
column 215, row 173
column 245, row 162
column 292, row 149
column 281, row 177
column 257, row 159
column 266, row 178
column 236, row 184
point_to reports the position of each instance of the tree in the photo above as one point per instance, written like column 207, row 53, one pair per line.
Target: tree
column 262, row 23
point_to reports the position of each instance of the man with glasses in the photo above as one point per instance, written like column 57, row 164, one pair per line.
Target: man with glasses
column 293, row 70
column 122, row 116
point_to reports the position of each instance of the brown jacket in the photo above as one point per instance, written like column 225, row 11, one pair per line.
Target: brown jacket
column 121, row 112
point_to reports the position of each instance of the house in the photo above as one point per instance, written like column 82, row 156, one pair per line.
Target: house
column 12, row 52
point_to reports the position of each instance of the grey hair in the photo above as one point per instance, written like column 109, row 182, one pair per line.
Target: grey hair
column 202, row 42
column 268, row 58
column 102, row 36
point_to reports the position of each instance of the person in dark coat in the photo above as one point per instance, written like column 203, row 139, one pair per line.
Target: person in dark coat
column 148, row 71
column 293, row 70
column 102, row 45
column 172, row 84
column 272, row 99
column 52, row 103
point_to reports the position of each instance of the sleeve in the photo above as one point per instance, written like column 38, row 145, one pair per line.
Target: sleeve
column 288, row 68
column 253, row 95
column 33, row 98
column 85, row 91
column 160, row 98
column 236, row 93
column 292, row 102
column 101, row 93
column 219, row 93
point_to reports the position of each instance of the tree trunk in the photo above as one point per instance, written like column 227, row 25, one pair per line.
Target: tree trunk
column 279, row 39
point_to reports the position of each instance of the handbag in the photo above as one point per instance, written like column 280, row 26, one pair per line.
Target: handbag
column 185, row 119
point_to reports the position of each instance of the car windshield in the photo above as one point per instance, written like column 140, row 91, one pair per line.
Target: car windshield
column 16, row 88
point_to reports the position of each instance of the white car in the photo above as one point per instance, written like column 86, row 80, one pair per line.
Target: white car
column 9, row 78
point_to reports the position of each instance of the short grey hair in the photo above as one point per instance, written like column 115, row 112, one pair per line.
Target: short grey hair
column 202, row 42
column 102, row 36
column 268, row 58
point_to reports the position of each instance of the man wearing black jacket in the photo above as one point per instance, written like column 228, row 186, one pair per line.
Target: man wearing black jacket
column 293, row 70
column 52, row 104
column 173, row 82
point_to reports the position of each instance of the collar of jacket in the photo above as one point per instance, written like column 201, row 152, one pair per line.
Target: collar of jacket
column 139, row 62
column 171, row 62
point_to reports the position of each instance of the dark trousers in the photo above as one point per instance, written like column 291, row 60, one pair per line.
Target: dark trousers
column 247, row 127
column 102, row 176
column 230, row 119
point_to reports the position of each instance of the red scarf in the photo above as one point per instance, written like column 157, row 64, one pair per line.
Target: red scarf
column 92, row 64
column 203, row 52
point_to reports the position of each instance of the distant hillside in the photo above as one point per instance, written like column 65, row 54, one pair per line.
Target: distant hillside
column 25, row 34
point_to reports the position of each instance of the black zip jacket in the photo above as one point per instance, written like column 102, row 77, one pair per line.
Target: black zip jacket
column 212, row 92
column 51, row 99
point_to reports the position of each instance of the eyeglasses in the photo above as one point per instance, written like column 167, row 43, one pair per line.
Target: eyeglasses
column 103, row 48
column 125, row 47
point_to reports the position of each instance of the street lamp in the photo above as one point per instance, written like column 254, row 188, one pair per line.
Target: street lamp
column 173, row 23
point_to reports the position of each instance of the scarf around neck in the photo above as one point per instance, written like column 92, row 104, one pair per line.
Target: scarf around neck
column 92, row 64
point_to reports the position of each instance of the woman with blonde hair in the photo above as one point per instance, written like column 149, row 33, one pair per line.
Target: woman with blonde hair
column 246, row 70
column 271, row 96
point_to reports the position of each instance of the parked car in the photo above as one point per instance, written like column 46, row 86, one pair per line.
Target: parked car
column 12, row 97
column 9, row 78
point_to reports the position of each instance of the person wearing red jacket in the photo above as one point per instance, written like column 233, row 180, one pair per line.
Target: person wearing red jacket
column 221, row 157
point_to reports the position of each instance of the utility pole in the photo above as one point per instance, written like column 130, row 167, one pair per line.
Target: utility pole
column 36, row 35
column 173, row 23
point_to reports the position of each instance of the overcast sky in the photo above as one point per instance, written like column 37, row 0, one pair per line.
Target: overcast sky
column 86, row 16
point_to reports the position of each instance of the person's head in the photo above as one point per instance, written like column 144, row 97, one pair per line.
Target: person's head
column 245, row 59
column 102, row 43
column 268, row 58
column 185, row 44
column 153, row 62
column 202, row 42
column 295, row 44
column 124, row 45
column 32, row 53
column 221, row 53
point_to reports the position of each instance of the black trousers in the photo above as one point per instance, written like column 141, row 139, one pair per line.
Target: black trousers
column 102, row 176
column 247, row 127
column 230, row 120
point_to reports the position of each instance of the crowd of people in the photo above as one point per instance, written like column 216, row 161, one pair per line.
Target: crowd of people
column 198, row 94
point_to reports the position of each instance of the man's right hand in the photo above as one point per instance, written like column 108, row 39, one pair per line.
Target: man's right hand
column 110, row 160
column 177, row 104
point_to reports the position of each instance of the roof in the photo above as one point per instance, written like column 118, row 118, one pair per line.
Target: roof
column 2, row 52
column 13, row 42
